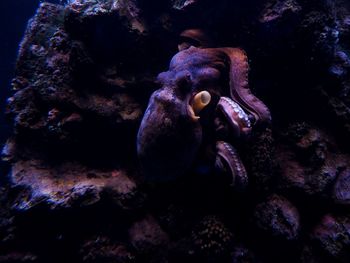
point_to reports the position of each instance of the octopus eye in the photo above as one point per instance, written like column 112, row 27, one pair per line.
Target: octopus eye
column 184, row 83
column 199, row 101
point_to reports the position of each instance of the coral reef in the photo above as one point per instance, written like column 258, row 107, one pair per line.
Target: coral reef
column 117, row 156
column 278, row 217
column 211, row 238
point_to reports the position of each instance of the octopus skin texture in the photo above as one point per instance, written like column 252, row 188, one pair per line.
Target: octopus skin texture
column 172, row 129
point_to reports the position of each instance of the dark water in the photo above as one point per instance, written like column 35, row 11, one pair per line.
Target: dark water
column 13, row 21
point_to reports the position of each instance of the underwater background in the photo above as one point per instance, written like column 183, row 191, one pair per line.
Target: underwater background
column 167, row 131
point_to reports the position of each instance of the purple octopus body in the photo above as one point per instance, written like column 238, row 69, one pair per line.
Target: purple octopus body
column 172, row 128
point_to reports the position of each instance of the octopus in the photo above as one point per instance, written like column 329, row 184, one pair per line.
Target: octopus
column 204, row 102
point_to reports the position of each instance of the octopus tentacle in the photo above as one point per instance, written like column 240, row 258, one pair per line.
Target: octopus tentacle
column 238, row 120
column 227, row 157
column 239, row 88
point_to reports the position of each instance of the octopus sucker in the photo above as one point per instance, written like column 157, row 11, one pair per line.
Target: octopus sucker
column 238, row 119
column 199, row 102
column 228, row 158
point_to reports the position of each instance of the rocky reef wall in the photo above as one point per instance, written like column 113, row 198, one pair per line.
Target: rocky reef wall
column 84, row 74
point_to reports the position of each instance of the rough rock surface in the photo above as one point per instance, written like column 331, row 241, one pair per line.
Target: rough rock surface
column 278, row 217
column 85, row 71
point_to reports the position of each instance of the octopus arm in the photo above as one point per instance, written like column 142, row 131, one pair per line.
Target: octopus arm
column 239, row 87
